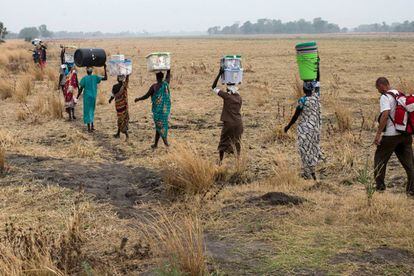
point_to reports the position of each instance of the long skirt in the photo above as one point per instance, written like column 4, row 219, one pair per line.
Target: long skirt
column 88, row 109
column 230, row 137
column 309, row 149
column 122, row 113
column 161, row 123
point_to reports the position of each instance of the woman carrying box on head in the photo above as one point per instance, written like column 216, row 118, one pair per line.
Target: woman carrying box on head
column 161, row 106
column 232, row 130
column 120, row 94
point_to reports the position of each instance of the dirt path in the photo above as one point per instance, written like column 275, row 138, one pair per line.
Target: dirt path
column 122, row 186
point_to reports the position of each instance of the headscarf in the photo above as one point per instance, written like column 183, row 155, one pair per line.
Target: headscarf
column 232, row 89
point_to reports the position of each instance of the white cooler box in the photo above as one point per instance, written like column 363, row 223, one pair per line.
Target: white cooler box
column 69, row 58
column 232, row 76
column 233, row 70
column 120, row 67
column 158, row 62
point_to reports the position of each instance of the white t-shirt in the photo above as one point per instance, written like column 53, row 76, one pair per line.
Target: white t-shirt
column 388, row 102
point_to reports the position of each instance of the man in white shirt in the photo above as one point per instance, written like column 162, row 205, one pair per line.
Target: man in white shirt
column 389, row 140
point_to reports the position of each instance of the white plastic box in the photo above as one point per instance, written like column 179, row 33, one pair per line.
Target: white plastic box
column 117, row 67
column 69, row 58
column 158, row 62
column 233, row 70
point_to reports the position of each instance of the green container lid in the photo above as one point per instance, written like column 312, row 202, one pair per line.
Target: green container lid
column 306, row 44
column 232, row 57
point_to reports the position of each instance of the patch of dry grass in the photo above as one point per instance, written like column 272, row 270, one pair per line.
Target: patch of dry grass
column 50, row 106
column 343, row 118
column 277, row 134
column 6, row 89
column 179, row 242
column 23, row 90
column 41, row 251
column 185, row 171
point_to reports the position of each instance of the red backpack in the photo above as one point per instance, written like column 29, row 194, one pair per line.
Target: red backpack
column 404, row 112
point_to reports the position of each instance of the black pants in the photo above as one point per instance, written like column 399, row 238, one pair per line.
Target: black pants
column 401, row 145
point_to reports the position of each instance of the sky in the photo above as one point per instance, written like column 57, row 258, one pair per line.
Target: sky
column 192, row 15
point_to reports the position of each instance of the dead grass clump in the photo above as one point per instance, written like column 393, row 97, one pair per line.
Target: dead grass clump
column 199, row 68
column 51, row 75
column 16, row 60
column 38, row 74
column 6, row 89
column 21, row 115
column 8, row 139
column 41, row 251
column 178, row 241
column 277, row 134
column 343, row 118
column 238, row 172
column 51, row 106
column 186, row 172
column 24, row 88
column 284, row 175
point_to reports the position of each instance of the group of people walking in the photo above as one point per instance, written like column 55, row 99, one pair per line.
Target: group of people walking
column 307, row 114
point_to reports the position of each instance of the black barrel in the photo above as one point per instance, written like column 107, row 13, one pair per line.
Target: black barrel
column 85, row 57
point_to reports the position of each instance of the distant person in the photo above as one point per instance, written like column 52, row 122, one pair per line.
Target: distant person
column 42, row 50
column 120, row 94
column 63, row 72
column 308, row 112
column 161, row 106
column 62, row 54
column 71, row 85
column 89, row 84
column 232, row 130
column 389, row 140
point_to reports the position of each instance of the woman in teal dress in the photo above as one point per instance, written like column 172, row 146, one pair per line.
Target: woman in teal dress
column 89, row 84
column 161, row 106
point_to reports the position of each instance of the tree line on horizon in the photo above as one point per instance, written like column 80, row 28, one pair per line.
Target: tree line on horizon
column 262, row 26
column 316, row 26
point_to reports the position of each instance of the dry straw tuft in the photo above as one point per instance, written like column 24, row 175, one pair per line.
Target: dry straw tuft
column 6, row 89
column 185, row 171
column 178, row 241
column 343, row 118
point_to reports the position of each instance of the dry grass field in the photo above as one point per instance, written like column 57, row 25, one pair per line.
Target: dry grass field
column 74, row 203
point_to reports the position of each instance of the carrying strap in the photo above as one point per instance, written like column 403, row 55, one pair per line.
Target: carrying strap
column 395, row 98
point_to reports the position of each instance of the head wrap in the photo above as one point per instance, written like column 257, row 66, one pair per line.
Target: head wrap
column 232, row 89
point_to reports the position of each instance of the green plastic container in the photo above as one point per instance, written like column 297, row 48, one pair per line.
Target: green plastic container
column 307, row 59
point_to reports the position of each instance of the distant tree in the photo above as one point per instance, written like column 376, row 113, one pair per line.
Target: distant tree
column 29, row 33
column 214, row 30
column 247, row 28
column 3, row 32
column 269, row 26
column 44, row 32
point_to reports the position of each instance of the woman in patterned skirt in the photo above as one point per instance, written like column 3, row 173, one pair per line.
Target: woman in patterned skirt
column 308, row 112
column 120, row 94
column 161, row 106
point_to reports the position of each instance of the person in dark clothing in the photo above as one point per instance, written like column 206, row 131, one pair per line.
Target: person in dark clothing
column 161, row 106
column 232, row 130
column 389, row 140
